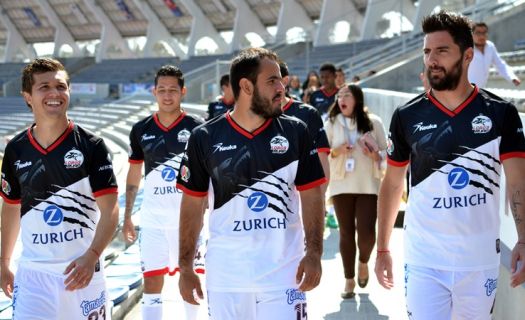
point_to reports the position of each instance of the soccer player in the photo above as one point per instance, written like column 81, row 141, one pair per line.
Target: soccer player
column 224, row 102
column 250, row 163
column 158, row 142
column 486, row 55
column 456, row 139
column 323, row 98
column 60, row 192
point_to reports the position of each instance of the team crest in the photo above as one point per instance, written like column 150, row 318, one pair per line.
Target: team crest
column 185, row 173
column 481, row 124
column 279, row 144
column 73, row 159
column 6, row 188
column 389, row 147
column 183, row 136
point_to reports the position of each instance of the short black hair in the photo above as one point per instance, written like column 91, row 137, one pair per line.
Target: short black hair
column 479, row 24
column 458, row 26
column 37, row 66
column 246, row 65
column 225, row 80
column 170, row 71
column 327, row 67
column 284, row 69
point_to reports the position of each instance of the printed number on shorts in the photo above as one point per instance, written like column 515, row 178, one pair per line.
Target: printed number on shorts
column 300, row 310
column 98, row 314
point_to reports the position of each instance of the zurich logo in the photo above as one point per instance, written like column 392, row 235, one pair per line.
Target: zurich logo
column 257, row 201
column 168, row 174
column 53, row 216
column 458, row 178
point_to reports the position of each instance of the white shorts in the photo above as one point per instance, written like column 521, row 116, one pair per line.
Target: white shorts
column 42, row 296
column 159, row 252
column 441, row 295
column 283, row 304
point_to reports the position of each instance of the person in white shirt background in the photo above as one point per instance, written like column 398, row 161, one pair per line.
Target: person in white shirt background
column 485, row 55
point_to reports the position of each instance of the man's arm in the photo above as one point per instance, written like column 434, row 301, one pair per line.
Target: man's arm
column 191, row 219
column 515, row 177
column 132, row 187
column 504, row 69
column 323, row 157
column 10, row 227
column 309, row 270
column 80, row 271
column 390, row 194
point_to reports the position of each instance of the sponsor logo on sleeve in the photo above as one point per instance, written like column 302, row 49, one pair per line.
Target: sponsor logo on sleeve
column 481, row 124
column 279, row 144
column 73, row 159
column 185, row 173
column 6, row 188
column 389, row 146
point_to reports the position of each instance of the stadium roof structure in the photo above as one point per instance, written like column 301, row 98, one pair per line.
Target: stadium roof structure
column 181, row 23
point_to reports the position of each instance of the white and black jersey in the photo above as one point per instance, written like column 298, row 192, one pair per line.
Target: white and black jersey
column 251, row 179
column 161, row 150
column 56, row 187
column 452, row 219
column 311, row 117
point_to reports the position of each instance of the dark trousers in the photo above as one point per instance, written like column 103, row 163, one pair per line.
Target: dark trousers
column 355, row 212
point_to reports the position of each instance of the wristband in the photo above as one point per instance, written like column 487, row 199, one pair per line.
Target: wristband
column 95, row 252
column 383, row 251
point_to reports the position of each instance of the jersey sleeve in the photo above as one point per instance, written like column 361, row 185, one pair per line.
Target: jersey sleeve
column 193, row 177
column 398, row 149
column 136, row 154
column 512, row 140
column 10, row 185
column 101, row 176
column 318, row 133
column 309, row 170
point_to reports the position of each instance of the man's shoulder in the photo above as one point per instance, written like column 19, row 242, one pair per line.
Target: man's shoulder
column 143, row 122
column 414, row 103
column 193, row 119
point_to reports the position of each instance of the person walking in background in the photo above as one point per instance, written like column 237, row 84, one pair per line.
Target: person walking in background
column 486, row 55
column 158, row 142
column 224, row 102
column 310, row 84
column 324, row 97
column 60, row 192
column 358, row 141
column 294, row 88
column 456, row 139
column 340, row 79
column 263, row 253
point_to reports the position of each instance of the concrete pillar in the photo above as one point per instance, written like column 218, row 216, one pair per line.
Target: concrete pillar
column 62, row 34
column 424, row 8
column 110, row 35
column 15, row 42
column 157, row 32
column 377, row 8
column 292, row 15
column 201, row 26
column 246, row 21
column 334, row 11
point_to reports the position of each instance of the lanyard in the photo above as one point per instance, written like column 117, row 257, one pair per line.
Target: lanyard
column 351, row 135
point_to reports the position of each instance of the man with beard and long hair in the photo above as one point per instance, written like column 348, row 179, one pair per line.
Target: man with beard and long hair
column 257, row 166
column 456, row 139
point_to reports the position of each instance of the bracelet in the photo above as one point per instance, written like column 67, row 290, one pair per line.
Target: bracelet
column 383, row 251
column 95, row 252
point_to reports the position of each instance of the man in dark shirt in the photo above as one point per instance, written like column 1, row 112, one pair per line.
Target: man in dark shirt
column 224, row 102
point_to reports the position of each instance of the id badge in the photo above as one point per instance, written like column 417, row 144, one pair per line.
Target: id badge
column 350, row 164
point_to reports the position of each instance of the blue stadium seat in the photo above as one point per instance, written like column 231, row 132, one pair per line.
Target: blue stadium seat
column 118, row 294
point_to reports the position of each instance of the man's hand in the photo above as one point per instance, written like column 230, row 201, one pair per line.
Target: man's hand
column 309, row 273
column 516, row 82
column 383, row 270
column 128, row 231
column 7, row 280
column 518, row 272
column 188, row 282
column 80, row 271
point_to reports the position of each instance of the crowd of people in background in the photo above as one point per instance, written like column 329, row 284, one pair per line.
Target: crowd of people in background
column 275, row 161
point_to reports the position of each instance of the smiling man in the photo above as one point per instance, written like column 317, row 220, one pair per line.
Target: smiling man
column 59, row 190
column 456, row 139
column 252, row 162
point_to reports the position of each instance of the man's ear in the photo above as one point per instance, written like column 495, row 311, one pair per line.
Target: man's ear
column 27, row 98
column 183, row 91
column 469, row 55
column 246, row 86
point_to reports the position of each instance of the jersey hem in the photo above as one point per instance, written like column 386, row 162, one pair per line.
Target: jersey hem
column 509, row 155
column 105, row 191
column 397, row 163
column 312, row 184
column 135, row 161
column 10, row 201
column 450, row 268
column 323, row 150
column 191, row 192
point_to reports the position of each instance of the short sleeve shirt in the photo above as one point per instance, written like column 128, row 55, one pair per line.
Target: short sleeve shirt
column 161, row 150
column 452, row 218
column 251, row 179
column 56, row 187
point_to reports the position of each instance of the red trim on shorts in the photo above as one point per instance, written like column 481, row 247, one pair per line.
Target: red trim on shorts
column 397, row 163
column 287, row 105
column 135, row 161
column 55, row 144
column 312, row 184
column 323, row 150
column 242, row 131
column 509, row 155
column 105, row 191
column 172, row 125
column 153, row 273
column 191, row 192
column 456, row 111
column 10, row 201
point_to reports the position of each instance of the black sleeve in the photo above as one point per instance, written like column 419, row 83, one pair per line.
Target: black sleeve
column 397, row 147
column 136, row 154
column 101, row 176
column 309, row 170
column 194, row 177
column 10, row 184
column 316, row 128
column 512, row 140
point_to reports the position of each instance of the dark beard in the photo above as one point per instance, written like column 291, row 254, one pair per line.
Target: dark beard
column 451, row 79
column 263, row 107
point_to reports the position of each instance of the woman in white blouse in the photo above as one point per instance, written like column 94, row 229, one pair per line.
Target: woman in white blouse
column 357, row 139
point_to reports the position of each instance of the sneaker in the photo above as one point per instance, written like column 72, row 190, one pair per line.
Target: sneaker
column 331, row 222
